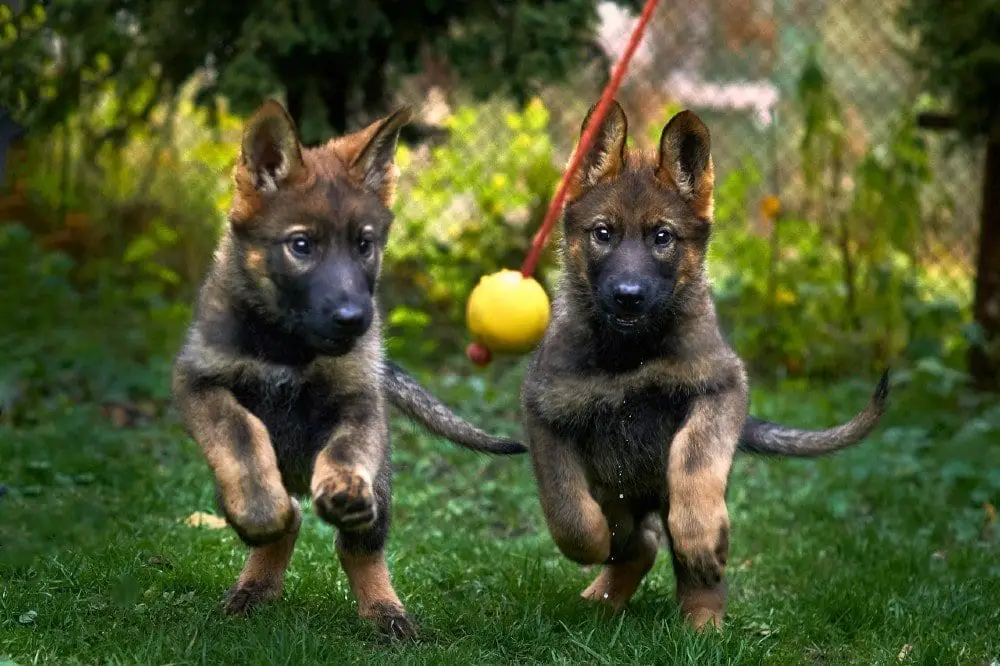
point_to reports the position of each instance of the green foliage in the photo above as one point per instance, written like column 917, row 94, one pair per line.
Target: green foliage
column 333, row 60
column 57, row 57
column 845, row 282
column 145, row 208
column 960, row 53
column 903, row 308
column 888, row 184
column 823, row 136
column 56, row 341
column 470, row 208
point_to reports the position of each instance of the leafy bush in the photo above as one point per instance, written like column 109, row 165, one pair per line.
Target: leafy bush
column 470, row 207
column 140, row 202
column 61, row 344
column 801, row 322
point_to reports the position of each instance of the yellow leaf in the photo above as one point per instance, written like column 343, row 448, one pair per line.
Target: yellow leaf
column 202, row 519
column 784, row 296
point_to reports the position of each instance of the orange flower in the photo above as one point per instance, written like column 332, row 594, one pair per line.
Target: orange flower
column 770, row 206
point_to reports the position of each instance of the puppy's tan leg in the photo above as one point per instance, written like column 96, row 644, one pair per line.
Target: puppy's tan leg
column 628, row 565
column 573, row 516
column 263, row 576
column 696, row 517
column 352, row 490
column 238, row 449
column 370, row 582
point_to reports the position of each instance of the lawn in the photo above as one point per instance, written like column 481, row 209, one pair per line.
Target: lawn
column 880, row 554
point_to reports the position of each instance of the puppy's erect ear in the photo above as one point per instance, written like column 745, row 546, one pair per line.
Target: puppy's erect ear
column 686, row 161
column 270, row 149
column 606, row 155
column 370, row 154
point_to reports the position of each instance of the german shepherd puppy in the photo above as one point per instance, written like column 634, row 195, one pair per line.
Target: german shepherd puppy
column 282, row 379
column 634, row 404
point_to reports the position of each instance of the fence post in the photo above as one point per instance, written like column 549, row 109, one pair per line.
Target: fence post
column 984, row 359
column 984, row 354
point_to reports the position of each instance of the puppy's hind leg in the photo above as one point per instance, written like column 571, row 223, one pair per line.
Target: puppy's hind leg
column 631, row 559
column 263, row 576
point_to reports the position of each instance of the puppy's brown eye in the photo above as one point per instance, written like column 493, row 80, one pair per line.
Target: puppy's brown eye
column 601, row 233
column 663, row 238
column 300, row 245
column 366, row 244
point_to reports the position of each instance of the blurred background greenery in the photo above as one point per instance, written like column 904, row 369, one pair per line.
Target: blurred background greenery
column 846, row 233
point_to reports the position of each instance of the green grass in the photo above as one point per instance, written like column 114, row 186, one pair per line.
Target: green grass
column 841, row 560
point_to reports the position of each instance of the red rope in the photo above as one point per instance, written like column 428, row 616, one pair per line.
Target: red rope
column 586, row 140
column 477, row 352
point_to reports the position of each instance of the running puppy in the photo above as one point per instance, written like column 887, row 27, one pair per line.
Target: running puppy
column 282, row 380
column 634, row 404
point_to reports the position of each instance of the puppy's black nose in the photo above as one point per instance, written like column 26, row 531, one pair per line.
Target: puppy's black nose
column 629, row 296
column 349, row 318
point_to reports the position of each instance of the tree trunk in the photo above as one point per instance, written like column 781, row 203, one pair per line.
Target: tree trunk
column 984, row 360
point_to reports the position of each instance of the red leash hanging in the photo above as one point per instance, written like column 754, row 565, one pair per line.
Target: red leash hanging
column 587, row 139
column 479, row 353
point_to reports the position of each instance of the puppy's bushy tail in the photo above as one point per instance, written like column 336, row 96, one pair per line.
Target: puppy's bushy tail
column 764, row 437
column 406, row 394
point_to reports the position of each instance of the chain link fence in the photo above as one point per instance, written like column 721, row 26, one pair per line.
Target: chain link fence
column 846, row 233
column 812, row 105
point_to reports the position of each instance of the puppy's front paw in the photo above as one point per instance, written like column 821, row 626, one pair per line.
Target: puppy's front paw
column 344, row 498
column 262, row 520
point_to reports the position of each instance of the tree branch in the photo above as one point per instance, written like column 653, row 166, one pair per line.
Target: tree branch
column 933, row 120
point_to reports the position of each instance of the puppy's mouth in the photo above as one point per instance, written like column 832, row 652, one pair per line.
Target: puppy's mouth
column 624, row 323
column 335, row 346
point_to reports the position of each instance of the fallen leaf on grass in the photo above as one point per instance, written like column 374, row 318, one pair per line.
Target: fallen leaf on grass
column 160, row 563
column 202, row 519
column 28, row 618
column 905, row 652
column 939, row 554
column 762, row 629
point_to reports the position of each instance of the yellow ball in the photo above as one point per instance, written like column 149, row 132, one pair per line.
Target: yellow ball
column 507, row 312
